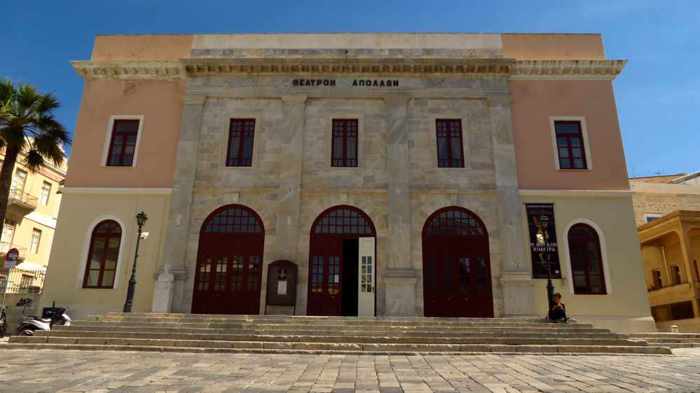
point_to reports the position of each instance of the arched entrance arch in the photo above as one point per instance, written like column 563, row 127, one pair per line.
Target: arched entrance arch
column 342, row 266
column 229, row 262
column 456, row 265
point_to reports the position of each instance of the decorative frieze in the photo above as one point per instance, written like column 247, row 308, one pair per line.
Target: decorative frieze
column 496, row 67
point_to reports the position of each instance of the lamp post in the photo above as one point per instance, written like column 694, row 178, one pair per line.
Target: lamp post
column 542, row 245
column 141, row 218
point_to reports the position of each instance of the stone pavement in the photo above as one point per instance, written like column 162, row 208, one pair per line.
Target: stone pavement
column 88, row 371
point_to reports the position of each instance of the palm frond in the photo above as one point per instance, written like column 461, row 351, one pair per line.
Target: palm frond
column 34, row 160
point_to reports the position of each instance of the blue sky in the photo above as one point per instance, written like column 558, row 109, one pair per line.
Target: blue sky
column 658, row 93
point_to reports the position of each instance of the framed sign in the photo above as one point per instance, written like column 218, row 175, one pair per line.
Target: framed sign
column 543, row 240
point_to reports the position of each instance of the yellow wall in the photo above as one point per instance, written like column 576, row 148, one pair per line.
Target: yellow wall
column 81, row 210
column 625, row 307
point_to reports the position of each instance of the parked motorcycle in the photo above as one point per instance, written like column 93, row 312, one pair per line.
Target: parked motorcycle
column 3, row 321
column 50, row 316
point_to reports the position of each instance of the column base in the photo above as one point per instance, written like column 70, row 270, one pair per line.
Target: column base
column 400, row 292
column 518, row 294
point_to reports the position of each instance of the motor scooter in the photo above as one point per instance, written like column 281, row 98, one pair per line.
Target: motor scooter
column 50, row 316
column 3, row 321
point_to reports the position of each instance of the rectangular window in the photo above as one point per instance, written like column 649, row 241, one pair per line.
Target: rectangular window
column 344, row 147
column 8, row 232
column 45, row 193
column 36, row 239
column 19, row 180
column 240, row 142
column 656, row 275
column 570, row 146
column 675, row 275
column 122, row 145
column 26, row 281
column 449, row 143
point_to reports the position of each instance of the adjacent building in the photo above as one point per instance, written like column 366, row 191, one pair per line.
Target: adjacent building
column 667, row 210
column 30, row 223
column 401, row 174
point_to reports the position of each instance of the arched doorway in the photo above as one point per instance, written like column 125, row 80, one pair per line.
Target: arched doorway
column 342, row 266
column 229, row 262
column 456, row 265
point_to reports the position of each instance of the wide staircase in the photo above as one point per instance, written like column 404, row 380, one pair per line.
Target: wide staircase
column 331, row 335
column 671, row 340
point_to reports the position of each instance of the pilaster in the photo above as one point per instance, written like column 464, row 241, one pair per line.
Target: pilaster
column 516, row 275
column 173, row 271
column 399, row 274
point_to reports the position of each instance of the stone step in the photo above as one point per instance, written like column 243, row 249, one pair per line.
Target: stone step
column 509, row 340
column 289, row 326
column 230, row 317
column 666, row 335
column 601, row 333
column 38, row 342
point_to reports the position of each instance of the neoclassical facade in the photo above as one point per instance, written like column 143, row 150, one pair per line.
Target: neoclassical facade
column 401, row 174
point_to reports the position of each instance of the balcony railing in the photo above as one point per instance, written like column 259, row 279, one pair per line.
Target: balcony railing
column 7, row 246
column 22, row 201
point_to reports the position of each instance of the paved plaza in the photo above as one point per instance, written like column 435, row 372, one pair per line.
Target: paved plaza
column 83, row 371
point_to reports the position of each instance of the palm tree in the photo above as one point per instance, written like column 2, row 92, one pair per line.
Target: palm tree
column 28, row 128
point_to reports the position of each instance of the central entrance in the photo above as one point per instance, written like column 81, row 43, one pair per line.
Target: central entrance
column 342, row 265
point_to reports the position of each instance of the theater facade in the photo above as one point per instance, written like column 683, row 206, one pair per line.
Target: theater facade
column 350, row 174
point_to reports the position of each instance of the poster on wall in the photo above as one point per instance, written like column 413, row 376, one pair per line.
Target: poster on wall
column 540, row 221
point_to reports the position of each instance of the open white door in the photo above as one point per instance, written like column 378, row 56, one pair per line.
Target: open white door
column 366, row 269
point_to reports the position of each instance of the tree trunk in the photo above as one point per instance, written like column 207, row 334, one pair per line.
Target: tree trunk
column 8, row 165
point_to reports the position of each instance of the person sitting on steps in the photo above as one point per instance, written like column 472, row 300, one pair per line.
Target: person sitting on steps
column 558, row 311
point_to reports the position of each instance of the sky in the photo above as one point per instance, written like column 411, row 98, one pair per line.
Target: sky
column 658, row 93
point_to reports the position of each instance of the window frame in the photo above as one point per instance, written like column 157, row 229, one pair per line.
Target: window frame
column 87, row 255
column 35, row 249
column 108, row 140
column 588, row 290
column 585, row 139
column 48, row 193
column 462, row 161
column 566, row 261
column 240, row 164
column 343, row 162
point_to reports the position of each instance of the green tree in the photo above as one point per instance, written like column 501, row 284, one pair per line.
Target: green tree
column 28, row 128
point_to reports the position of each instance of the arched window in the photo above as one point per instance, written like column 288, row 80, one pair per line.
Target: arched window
column 103, row 255
column 586, row 260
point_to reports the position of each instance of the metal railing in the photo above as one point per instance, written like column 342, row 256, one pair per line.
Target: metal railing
column 22, row 280
column 18, row 195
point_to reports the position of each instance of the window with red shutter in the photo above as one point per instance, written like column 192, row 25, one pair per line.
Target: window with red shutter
column 122, row 145
column 570, row 147
column 449, row 143
column 344, row 148
column 240, row 142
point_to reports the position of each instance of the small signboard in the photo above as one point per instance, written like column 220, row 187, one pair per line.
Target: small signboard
column 11, row 258
column 540, row 220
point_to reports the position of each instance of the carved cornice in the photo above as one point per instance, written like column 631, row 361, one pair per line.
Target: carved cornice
column 567, row 69
column 130, row 69
column 497, row 67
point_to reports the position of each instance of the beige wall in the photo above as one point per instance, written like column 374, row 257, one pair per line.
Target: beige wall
column 535, row 102
column 653, row 198
column 141, row 47
column 160, row 104
column 625, row 307
column 65, row 275
column 553, row 46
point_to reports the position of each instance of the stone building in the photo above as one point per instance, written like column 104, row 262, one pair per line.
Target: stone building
column 667, row 210
column 402, row 174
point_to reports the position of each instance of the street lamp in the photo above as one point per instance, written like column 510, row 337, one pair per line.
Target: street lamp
column 141, row 218
column 542, row 246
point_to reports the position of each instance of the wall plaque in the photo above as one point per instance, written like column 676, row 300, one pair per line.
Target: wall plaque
column 540, row 220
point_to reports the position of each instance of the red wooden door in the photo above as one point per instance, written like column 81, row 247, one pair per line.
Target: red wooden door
column 325, row 290
column 326, row 256
column 229, row 263
column 456, row 267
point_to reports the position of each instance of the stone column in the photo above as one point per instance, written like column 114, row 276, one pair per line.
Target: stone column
column 516, row 272
column 170, row 293
column 686, row 250
column 287, row 230
column 399, row 276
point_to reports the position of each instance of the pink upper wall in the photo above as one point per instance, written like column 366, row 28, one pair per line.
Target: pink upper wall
column 141, row 47
column 553, row 46
column 534, row 102
column 160, row 103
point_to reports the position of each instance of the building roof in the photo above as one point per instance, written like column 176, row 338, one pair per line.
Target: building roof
column 676, row 178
